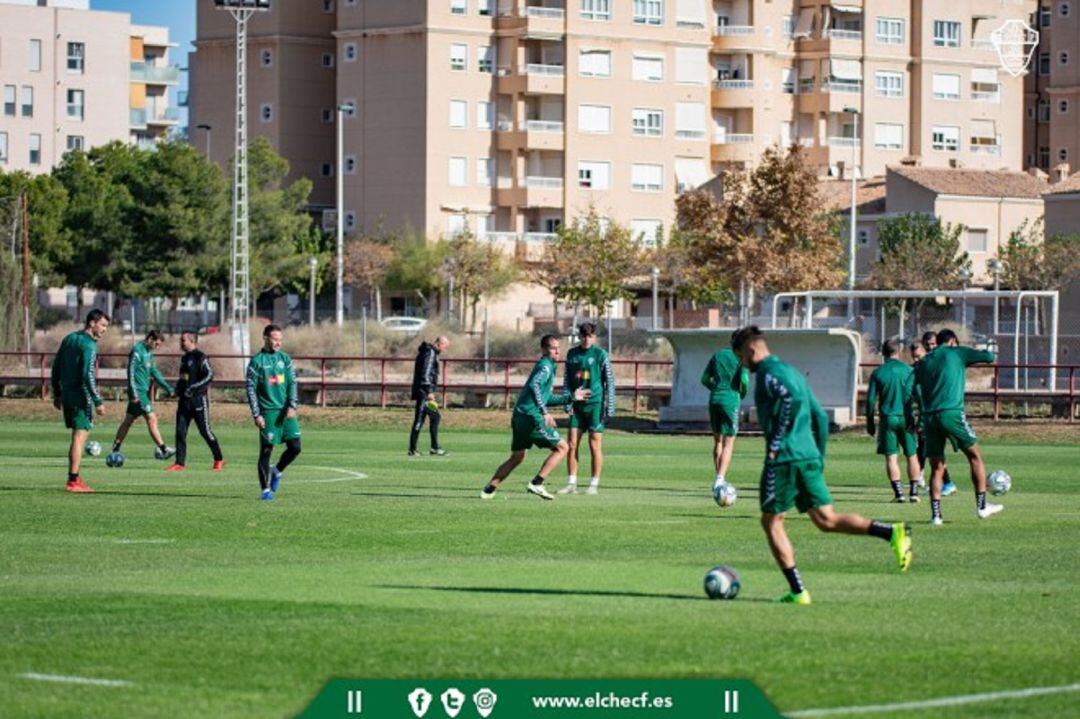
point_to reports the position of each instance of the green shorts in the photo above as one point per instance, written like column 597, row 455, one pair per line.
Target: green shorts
column 279, row 428
column 893, row 437
column 529, row 431
column 793, row 483
column 587, row 416
column 78, row 412
column 140, row 407
column 724, row 419
column 950, row 425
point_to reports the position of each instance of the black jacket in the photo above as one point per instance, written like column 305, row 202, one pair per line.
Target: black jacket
column 426, row 371
column 196, row 374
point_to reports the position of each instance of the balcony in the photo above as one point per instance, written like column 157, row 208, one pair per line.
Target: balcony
column 728, row 38
column 839, row 34
column 533, row 191
column 987, row 149
column 733, row 93
column 153, row 75
column 853, row 87
column 840, row 141
column 734, row 147
column 164, row 116
column 138, row 118
column 992, row 97
column 690, row 134
column 533, row 78
column 533, row 21
column 532, row 135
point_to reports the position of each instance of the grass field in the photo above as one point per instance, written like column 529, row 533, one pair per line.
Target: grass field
column 210, row 603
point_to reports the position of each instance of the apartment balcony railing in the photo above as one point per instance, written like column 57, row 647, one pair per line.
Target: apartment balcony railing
column 733, row 84
column 141, row 72
column 804, row 141
column 504, row 126
column 544, row 125
column 978, row 96
column 734, row 30
column 986, row 149
column 849, row 86
column 504, row 183
column 733, row 138
column 838, row 34
column 555, row 13
column 164, row 116
column 138, row 117
column 836, row 141
column 543, row 181
column 536, row 68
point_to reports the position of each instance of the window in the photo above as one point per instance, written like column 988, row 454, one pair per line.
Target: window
column 1063, row 57
column 3, row 147
column 459, row 114
column 985, row 86
column 266, row 58
column 946, row 33
column 26, row 99
column 1063, row 107
column 646, row 177
column 1044, row 111
column 350, row 52
column 595, row 9
column 328, row 6
column 648, row 122
column 485, row 168
column 459, row 171
column 594, row 175
column 35, row 56
column 350, row 220
column 350, row 164
column 645, row 232
column 76, row 104
column 692, row 65
column 946, row 87
column 327, row 116
column 890, row 31
column 1044, row 17
column 787, row 27
column 350, row 107
column 1044, row 157
column 888, row 84
column 649, row 12
column 327, row 59
column 864, row 236
column 326, row 169
column 788, row 77
column 486, row 8
column 888, row 136
column 594, row 63
column 1064, row 9
column 75, row 142
column 458, row 7
column 945, row 138
column 1044, row 63
column 648, row 67
column 76, row 57
column 485, row 115
column 9, row 100
column 459, row 56
column 690, row 120
column 485, row 59
column 977, row 239
column 35, row 149
column 266, row 112
column 594, row 118
column 1063, row 155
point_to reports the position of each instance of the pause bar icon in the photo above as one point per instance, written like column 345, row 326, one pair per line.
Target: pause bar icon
column 731, row 701
column 355, row 701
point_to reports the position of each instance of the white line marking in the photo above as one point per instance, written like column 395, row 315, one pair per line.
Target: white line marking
column 939, row 702
column 351, row 475
column 74, row 680
column 145, row 541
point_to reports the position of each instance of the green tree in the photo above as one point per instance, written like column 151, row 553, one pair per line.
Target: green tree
column 367, row 264
column 603, row 257
column 50, row 244
column 478, row 269
column 416, row 268
column 1032, row 262
column 919, row 252
column 681, row 277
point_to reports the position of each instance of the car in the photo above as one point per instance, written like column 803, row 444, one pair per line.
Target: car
column 408, row 325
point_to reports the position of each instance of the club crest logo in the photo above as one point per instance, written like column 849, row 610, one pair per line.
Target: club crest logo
column 1015, row 42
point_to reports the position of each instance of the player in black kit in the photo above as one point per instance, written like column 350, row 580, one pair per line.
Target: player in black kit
column 194, row 403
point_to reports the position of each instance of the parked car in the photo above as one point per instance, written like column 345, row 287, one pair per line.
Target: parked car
column 407, row 325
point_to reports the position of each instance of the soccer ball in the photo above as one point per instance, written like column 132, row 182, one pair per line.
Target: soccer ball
column 722, row 583
column 93, row 448
column 725, row 494
column 1000, row 482
column 114, row 459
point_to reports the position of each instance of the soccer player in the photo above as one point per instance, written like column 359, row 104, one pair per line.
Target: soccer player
column 929, row 342
column 588, row 366
column 532, row 424
column 74, row 388
column 727, row 382
column 893, row 383
column 940, row 379
column 796, row 429
column 141, row 368
column 273, row 399
column 193, row 391
column 425, row 381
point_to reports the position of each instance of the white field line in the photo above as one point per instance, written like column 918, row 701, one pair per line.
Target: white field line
column 145, row 541
column 351, row 475
column 88, row 681
column 933, row 703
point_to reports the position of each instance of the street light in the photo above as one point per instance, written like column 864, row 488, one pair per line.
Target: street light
column 207, row 128
column 995, row 269
column 655, row 298
column 854, row 112
column 339, row 298
column 313, row 262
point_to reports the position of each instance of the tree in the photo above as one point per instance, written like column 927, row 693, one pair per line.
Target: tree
column 1031, row 262
column 557, row 271
column 46, row 200
column 367, row 264
column 919, row 252
column 680, row 275
column 602, row 257
column 416, row 268
column 477, row 269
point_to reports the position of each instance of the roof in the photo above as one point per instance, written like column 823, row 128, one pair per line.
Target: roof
column 1067, row 186
column 973, row 183
column 869, row 195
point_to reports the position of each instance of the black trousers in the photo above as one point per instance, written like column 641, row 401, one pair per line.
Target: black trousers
column 422, row 412
column 292, row 451
column 197, row 409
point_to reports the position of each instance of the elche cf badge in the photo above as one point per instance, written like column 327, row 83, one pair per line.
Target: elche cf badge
column 1015, row 42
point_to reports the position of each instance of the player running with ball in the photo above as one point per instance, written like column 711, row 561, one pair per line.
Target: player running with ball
column 273, row 399
column 141, row 369
column 796, row 429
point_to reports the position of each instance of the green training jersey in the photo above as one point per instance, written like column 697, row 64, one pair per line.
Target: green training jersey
column 590, row 368
column 141, row 368
column 725, row 379
column 73, row 370
column 536, row 395
column 796, row 427
column 271, row 383
column 893, row 383
column 939, row 377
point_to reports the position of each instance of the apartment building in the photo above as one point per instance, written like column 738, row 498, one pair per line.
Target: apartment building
column 1052, row 88
column 73, row 78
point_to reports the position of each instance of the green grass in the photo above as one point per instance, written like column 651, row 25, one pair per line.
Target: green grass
column 235, row 607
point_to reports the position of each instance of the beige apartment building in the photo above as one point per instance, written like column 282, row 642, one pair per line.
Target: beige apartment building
column 1052, row 88
column 73, row 78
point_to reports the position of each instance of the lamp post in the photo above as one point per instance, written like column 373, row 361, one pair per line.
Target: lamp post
column 339, row 296
column 995, row 270
column 207, row 129
column 312, row 262
column 655, row 298
column 854, row 112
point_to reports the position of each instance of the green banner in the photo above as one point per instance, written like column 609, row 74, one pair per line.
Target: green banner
column 540, row 699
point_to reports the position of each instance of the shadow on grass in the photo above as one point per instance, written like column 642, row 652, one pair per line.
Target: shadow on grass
column 464, row 494
column 561, row 592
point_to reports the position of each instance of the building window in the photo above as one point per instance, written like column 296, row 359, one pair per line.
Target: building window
column 350, row 105
column 350, row 164
column 327, row 116
column 977, row 239
column 594, row 175
column 890, row 31
column 486, row 8
column 458, row 7
column 328, row 6
column 1044, row 111
column 648, row 122
column 649, row 12
column 327, row 59
column 888, row 84
column 1063, row 107
column 692, row 65
column 690, row 120
column 864, row 236
column 1044, row 158
column 1063, row 57
column 646, row 177
column 35, row 56
column 1063, row 155
column 1064, row 9
column 485, row 169
column 485, row 115
column 946, row 87
column 945, row 138
column 648, row 68
column 9, row 100
column 26, row 99
column 646, row 232
column 459, row 56
column 594, row 118
column 787, row 27
column 595, row 9
column 76, row 58
column 350, row 220
column 75, row 142
column 486, row 59
column 459, row 171
column 459, row 114
column 946, row 33
column 594, row 63
column 35, row 149
column 351, row 51
column 1044, row 63
column 326, row 169
column 1044, row 17
column 1031, row 112
column 266, row 112
column 888, row 136
column 266, row 57
column 76, row 104
column 3, row 147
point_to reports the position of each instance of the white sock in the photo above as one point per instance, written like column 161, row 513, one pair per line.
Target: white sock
column 593, row 481
column 572, row 479
column 719, row 479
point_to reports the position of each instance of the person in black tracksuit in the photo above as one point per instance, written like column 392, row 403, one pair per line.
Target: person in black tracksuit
column 194, row 402
column 425, row 381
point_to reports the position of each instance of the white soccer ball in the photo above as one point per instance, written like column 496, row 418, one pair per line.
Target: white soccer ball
column 999, row 481
column 722, row 582
column 725, row 494
column 114, row 459
column 93, row 448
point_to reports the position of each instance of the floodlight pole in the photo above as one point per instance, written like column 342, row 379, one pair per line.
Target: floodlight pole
column 854, row 112
column 339, row 297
